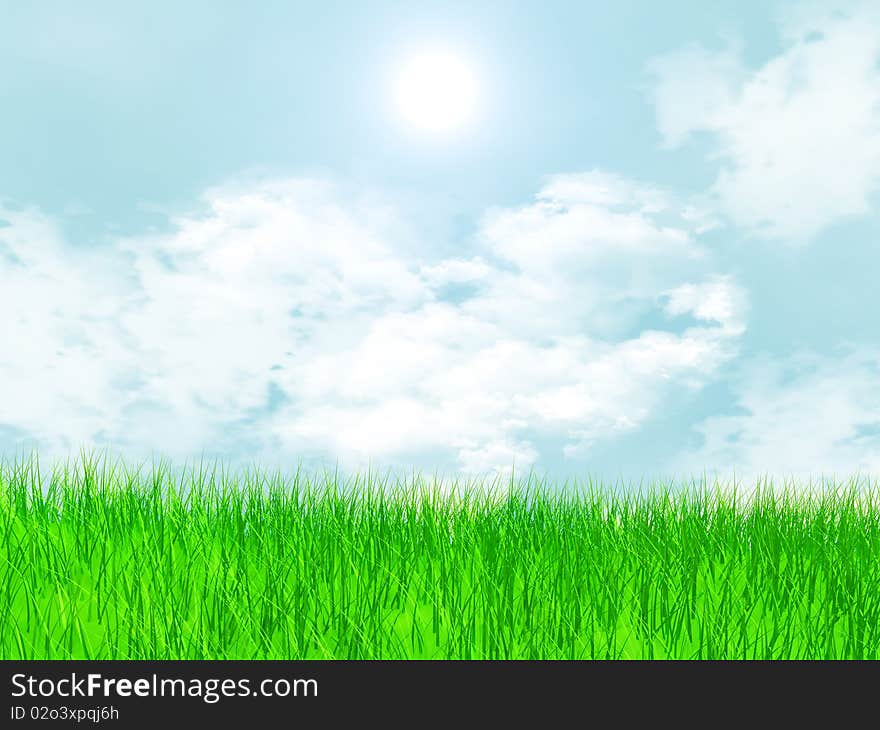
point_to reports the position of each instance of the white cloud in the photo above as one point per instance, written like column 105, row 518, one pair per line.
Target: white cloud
column 456, row 271
column 286, row 319
column 63, row 359
column 500, row 456
column 809, row 416
column 798, row 139
column 592, row 246
column 716, row 300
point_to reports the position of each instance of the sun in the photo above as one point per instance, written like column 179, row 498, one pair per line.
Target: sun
column 436, row 92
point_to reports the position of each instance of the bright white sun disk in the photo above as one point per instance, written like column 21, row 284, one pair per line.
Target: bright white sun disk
column 436, row 92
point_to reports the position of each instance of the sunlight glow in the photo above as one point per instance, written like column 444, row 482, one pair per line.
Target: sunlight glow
column 436, row 92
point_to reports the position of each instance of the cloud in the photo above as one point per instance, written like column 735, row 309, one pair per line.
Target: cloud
column 289, row 319
column 594, row 247
column 535, row 348
column 717, row 300
column 64, row 364
column 806, row 416
column 798, row 139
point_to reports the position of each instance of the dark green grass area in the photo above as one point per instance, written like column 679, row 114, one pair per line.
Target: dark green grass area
column 100, row 561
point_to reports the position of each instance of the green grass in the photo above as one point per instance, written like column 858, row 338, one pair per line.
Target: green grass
column 100, row 561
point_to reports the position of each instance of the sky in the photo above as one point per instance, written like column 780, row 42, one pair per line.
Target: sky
column 650, row 250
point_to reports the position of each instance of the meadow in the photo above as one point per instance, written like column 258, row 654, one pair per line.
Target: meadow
column 101, row 560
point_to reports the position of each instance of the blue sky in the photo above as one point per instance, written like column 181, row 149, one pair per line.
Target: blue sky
column 652, row 250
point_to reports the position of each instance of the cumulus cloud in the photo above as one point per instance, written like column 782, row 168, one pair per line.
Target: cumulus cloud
column 289, row 319
column 798, row 139
column 716, row 300
column 64, row 361
column 806, row 416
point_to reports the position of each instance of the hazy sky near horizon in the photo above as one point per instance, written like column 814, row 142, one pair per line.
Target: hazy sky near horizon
column 653, row 248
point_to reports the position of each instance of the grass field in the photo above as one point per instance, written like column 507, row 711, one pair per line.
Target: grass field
column 101, row 561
